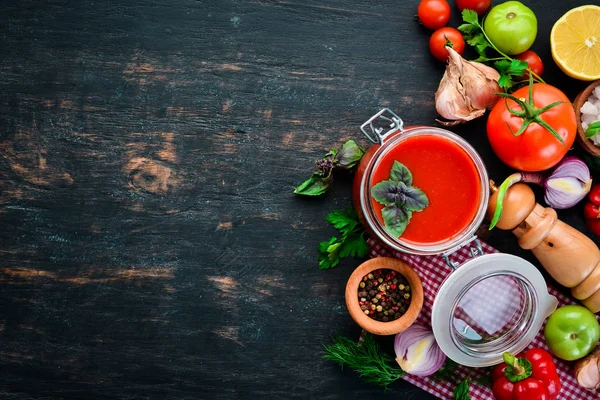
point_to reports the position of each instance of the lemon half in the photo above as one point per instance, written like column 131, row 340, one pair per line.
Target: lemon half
column 575, row 43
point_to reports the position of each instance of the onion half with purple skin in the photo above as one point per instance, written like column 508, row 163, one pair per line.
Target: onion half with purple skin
column 568, row 183
column 417, row 352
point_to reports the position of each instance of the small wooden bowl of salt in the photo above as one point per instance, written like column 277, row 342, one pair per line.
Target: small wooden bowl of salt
column 587, row 110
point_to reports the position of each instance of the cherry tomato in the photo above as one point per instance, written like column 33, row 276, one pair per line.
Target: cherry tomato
column 534, row 61
column 434, row 14
column 511, row 26
column 446, row 36
column 479, row 6
column 536, row 149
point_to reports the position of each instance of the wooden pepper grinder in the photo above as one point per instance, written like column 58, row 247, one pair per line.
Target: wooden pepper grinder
column 568, row 255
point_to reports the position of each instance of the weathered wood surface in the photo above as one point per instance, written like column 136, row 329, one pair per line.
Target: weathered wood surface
column 151, row 244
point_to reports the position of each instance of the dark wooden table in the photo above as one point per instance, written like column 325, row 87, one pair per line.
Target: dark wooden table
column 151, row 244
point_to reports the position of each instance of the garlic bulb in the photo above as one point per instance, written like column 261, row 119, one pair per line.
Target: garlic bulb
column 466, row 90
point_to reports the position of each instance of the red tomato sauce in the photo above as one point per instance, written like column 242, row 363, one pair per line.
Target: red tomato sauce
column 449, row 178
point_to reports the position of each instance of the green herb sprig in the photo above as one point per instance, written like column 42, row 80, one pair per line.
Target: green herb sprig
column 322, row 178
column 351, row 243
column 400, row 199
column 508, row 67
column 366, row 358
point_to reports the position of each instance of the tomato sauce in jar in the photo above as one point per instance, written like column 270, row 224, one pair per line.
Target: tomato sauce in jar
column 449, row 178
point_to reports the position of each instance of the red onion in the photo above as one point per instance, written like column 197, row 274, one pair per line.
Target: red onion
column 417, row 352
column 565, row 186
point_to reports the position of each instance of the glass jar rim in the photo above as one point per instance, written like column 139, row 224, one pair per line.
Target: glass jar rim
column 408, row 247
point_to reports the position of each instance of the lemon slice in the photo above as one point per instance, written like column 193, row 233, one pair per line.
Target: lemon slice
column 575, row 43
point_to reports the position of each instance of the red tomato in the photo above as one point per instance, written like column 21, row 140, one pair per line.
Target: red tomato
column 536, row 149
column 479, row 6
column 434, row 14
column 534, row 61
column 446, row 36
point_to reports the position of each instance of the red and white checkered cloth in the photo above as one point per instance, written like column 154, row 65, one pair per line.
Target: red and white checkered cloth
column 433, row 270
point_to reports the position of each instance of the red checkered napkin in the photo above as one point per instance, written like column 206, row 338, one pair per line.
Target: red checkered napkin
column 433, row 270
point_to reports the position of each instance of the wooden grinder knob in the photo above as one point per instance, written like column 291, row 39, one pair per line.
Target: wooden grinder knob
column 569, row 256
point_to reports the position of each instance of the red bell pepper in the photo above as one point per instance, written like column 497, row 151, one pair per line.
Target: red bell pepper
column 530, row 376
column 591, row 210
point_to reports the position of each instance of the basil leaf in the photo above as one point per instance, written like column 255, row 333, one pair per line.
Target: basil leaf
column 401, row 174
column 349, row 155
column 385, row 192
column 592, row 129
column 415, row 199
column 395, row 219
column 315, row 185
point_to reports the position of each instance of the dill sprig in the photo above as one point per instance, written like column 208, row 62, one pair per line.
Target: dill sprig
column 366, row 358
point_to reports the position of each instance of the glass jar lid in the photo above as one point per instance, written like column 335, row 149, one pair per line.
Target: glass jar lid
column 489, row 305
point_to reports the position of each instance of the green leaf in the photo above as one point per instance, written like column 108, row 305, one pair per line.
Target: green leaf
column 314, row 186
column 349, row 155
column 354, row 245
column 331, row 154
column 478, row 40
column 502, row 66
column 387, row 192
column 343, row 221
column 415, row 199
column 470, row 17
column 468, row 28
column 593, row 129
column 518, row 67
column 396, row 219
column 461, row 392
column 504, row 81
column 328, row 260
column 401, row 174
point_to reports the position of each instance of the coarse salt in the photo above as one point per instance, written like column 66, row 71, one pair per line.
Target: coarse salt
column 590, row 112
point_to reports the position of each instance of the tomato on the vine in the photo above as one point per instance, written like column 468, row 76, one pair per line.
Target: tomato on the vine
column 446, row 37
column 522, row 141
column 434, row 14
column 479, row 6
column 511, row 27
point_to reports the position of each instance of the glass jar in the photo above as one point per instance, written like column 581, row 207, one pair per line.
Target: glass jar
column 383, row 145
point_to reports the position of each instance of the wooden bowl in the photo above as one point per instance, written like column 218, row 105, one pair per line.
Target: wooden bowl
column 578, row 103
column 368, row 323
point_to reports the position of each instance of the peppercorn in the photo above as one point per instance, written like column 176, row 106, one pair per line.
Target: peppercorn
column 382, row 295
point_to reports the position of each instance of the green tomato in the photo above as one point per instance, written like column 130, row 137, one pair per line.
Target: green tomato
column 511, row 27
column 572, row 332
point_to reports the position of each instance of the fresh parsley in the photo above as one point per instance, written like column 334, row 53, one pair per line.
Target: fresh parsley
column 509, row 68
column 322, row 178
column 351, row 243
column 461, row 391
column 400, row 199
column 593, row 129
column 366, row 358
